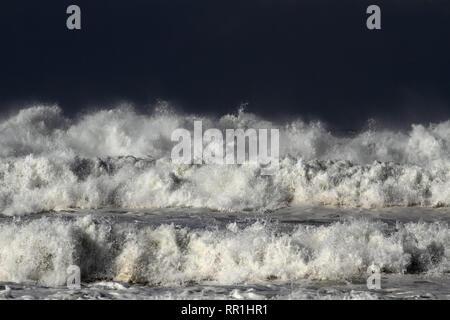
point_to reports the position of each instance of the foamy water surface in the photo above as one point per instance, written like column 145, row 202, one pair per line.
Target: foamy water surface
column 100, row 191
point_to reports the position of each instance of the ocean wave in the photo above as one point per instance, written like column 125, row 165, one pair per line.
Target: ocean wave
column 120, row 158
column 40, row 250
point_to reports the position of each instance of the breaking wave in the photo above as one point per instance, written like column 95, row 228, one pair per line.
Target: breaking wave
column 40, row 250
column 120, row 158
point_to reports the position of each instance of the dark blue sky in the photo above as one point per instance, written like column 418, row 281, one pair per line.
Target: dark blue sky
column 286, row 58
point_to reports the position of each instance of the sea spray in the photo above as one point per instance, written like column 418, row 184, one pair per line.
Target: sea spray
column 40, row 250
column 119, row 158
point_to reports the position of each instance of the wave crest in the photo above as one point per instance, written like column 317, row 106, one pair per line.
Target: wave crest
column 41, row 250
column 120, row 158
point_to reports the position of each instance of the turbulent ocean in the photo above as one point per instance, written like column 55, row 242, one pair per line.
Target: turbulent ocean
column 100, row 191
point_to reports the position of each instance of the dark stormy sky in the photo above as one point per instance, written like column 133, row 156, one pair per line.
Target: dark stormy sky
column 286, row 58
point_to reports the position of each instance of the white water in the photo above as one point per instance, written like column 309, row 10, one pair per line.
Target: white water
column 118, row 158
column 40, row 250
column 87, row 191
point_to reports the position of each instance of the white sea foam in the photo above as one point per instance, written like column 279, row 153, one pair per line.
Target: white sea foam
column 40, row 250
column 119, row 158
